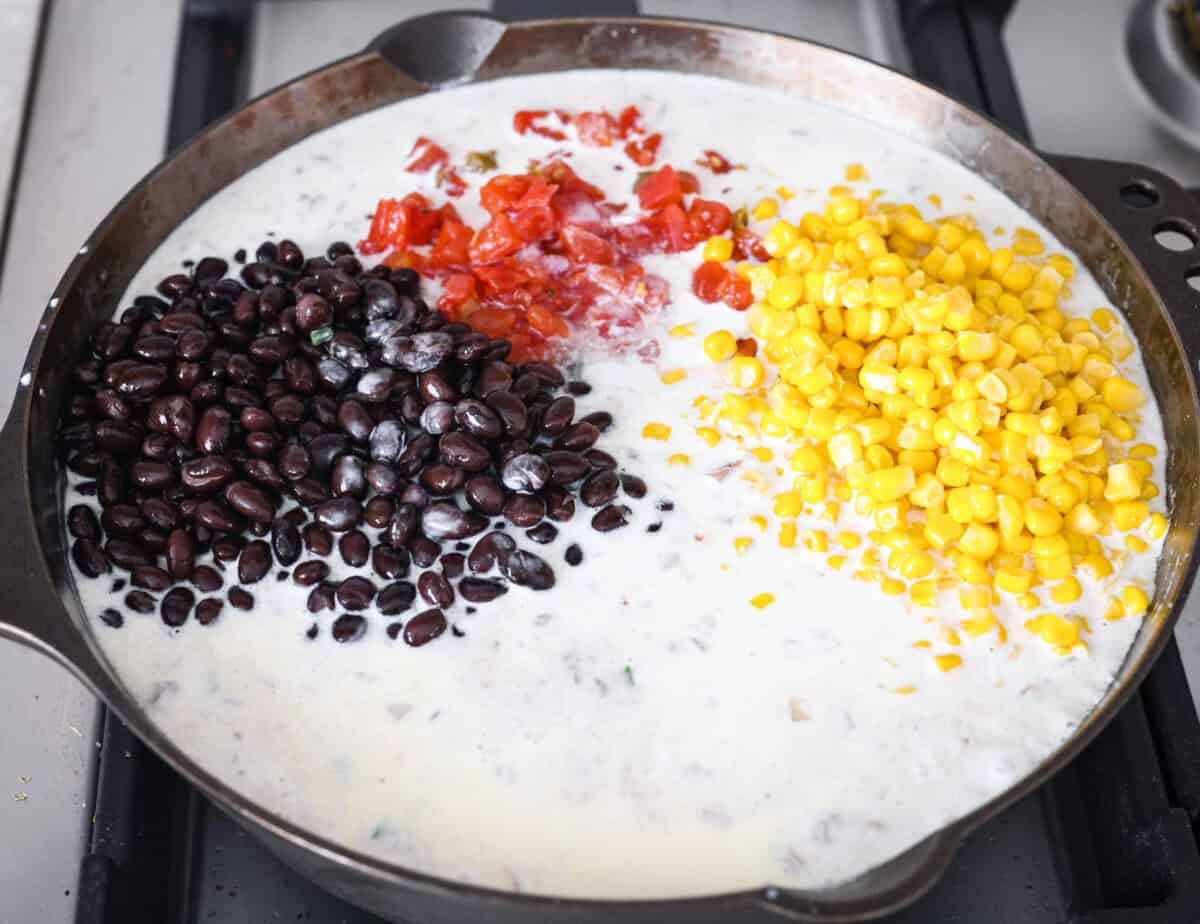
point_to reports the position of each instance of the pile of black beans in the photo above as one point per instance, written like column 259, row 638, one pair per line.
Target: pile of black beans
column 314, row 404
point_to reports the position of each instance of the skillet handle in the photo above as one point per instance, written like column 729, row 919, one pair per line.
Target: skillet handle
column 32, row 612
column 440, row 48
column 1140, row 203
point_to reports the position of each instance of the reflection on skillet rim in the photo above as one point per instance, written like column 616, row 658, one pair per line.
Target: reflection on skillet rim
column 447, row 47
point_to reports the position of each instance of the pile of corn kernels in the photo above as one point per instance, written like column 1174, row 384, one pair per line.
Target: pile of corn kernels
column 933, row 384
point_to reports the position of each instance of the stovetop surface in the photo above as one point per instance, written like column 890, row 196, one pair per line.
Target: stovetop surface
column 1110, row 840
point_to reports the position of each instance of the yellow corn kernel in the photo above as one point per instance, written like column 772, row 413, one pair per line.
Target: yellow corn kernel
column 761, row 601
column 854, row 172
column 720, row 345
column 679, row 458
column 788, row 504
column 656, row 431
column 1066, row 591
column 1114, row 610
column 671, row 376
column 786, row 292
column 923, row 593
column 1135, row 600
column 1136, row 544
column 683, row 330
column 1054, row 567
column 787, row 535
column 1028, row 601
column 1096, row 565
column 814, row 540
column 744, row 372
column 843, row 210
column 734, row 406
column 891, row 484
column 1123, row 483
column 916, row 565
column 1129, row 515
column 979, row 541
column 891, row 587
column 709, row 435
column 764, row 209
column 718, row 249
column 1156, row 527
column 1121, row 394
column 1060, row 633
column 836, row 561
column 1041, row 519
column 972, row 570
column 1013, row 580
column 941, row 530
column 947, row 662
column 742, row 544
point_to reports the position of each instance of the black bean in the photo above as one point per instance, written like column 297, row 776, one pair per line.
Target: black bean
column 524, row 509
column 389, row 563
column 208, row 610
column 488, row 551
column 176, row 606
column 339, row 514
column 579, row 437
column 396, row 598
column 546, row 372
column 435, row 589
column 240, row 598
column 614, row 516
column 254, row 562
column 355, row 548
column 124, row 554
column 573, row 555
column 207, row 474
column 293, row 462
column 598, row 458
column 403, row 525
column 207, row 579
column 214, row 430
column 122, row 520
column 309, row 491
column 633, row 486
column 317, row 539
column 424, row 551
column 387, row 439
column 442, row 480
column 600, row 488
column 250, row 501
column 348, row 478
column 111, row 618
column 139, row 601
column 481, row 590
column 381, row 299
column 423, row 351
column 264, row 473
column 310, row 572
column 560, row 503
column 157, row 348
column 478, row 419
column 150, row 577
column 355, row 593
column 566, row 466
column 443, row 520
column 484, row 494
column 376, row 384
column 664, row 505
column 349, row 627
column 437, row 418
column 525, row 472
column 227, row 548
column 82, row 524
column 601, row 420
column 543, row 533
column 161, row 513
column 424, row 627
column 378, row 512
column 109, row 404
column 216, row 516
column 322, row 598
column 453, row 564
column 354, row 419
column 511, row 410
column 382, row 478
column 285, row 541
column 414, row 494
column 558, row 416
column 122, row 439
column 527, row 570
column 111, row 484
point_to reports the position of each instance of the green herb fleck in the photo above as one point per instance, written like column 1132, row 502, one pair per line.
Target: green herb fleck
column 741, row 218
column 629, row 674
column 481, row 161
column 321, row 335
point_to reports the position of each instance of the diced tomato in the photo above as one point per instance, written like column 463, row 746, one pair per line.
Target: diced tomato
column 671, row 223
column 534, row 223
column 521, row 351
column 546, row 322
column 707, row 280
column 503, row 192
column 451, row 246
column 449, row 180
column 425, row 156
column 629, row 121
column 494, row 322
column 527, row 121
column 596, row 128
column 457, row 288
column 557, row 172
column 659, row 188
column 715, row 162
column 688, row 182
column 643, row 151
column 747, row 245
column 498, row 238
column 538, row 192
column 423, row 221
column 735, row 292
column 708, row 218
column 585, row 247
column 388, row 228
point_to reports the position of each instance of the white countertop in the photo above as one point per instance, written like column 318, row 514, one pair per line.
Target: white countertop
column 98, row 123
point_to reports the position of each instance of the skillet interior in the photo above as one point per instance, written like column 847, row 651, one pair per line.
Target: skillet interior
column 435, row 49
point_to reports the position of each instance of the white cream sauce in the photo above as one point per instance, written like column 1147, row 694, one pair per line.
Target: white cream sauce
column 640, row 730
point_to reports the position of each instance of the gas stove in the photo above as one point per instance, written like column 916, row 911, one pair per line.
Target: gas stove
column 1112, row 839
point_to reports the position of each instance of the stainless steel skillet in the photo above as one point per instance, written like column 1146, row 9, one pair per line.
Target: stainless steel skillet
column 1107, row 213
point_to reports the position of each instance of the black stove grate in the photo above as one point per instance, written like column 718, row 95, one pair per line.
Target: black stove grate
column 1110, row 840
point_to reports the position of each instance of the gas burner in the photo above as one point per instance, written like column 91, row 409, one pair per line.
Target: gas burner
column 1162, row 50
